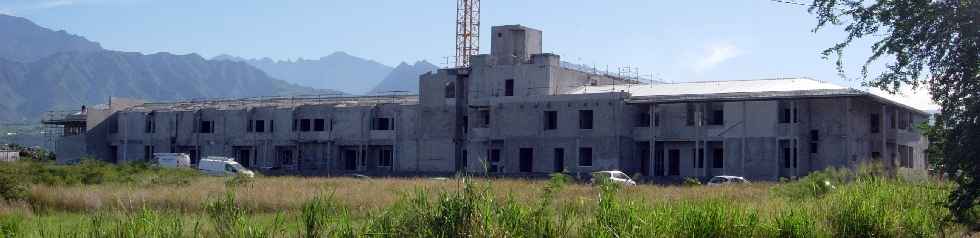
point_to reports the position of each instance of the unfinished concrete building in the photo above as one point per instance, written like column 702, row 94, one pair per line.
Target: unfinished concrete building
column 518, row 111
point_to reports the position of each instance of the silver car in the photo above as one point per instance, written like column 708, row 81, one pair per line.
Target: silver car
column 725, row 179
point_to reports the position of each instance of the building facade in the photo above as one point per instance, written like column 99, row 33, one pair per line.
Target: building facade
column 519, row 111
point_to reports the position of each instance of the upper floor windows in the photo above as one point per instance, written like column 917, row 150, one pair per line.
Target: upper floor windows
column 550, row 120
column 788, row 112
column 585, row 119
column 691, row 115
column 716, row 114
column 205, row 127
column 874, row 121
column 260, row 126
column 642, row 119
column 382, row 124
column 319, row 124
column 484, row 121
column 150, row 126
column 509, row 87
column 450, row 90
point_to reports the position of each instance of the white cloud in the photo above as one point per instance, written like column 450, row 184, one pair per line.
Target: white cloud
column 54, row 4
column 11, row 6
column 715, row 54
column 919, row 99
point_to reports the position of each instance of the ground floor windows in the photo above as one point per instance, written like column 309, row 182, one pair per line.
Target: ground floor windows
column 718, row 158
column 658, row 164
column 559, row 161
column 494, row 163
column 675, row 162
column 350, row 159
column 148, row 153
column 585, row 156
column 526, row 160
column 386, row 158
column 284, row 156
column 788, row 154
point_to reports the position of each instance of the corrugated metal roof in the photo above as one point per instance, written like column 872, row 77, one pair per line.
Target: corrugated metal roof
column 734, row 90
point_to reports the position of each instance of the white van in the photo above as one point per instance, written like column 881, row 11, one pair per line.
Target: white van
column 222, row 166
column 172, row 160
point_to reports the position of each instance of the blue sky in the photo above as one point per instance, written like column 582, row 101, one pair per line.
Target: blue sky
column 672, row 40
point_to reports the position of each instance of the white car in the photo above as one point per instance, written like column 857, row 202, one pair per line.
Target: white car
column 725, row 179
column 222, row 166
column 172, row 160
column 614, row 176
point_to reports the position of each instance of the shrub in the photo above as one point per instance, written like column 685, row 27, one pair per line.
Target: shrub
column 815, row 185
column 12, row 188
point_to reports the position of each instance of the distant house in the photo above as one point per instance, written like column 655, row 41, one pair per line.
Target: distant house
column 518, row 111
column 9, row 155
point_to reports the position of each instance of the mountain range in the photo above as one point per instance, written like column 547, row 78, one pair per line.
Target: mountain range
column 43, row 70
column 342, row 71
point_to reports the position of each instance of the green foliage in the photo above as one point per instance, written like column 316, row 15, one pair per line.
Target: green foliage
column 231, row 220
column 144, row 223
column 90, row 172
column 325, row 217
column 797, row 222
column 882, row 208
column 861, row 206
column 239, row 180
column 713, row 218
column 11, row 225
column 814, row 185
column 691, row 182
column 12, row 188
column 938, row 38
column 937, row 142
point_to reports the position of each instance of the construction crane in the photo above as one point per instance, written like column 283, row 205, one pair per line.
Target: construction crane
column 467, row 31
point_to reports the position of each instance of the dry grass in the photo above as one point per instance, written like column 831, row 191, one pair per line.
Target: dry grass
column 273, row 194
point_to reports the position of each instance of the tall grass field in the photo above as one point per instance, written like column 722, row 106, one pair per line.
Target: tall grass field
column 100, row 200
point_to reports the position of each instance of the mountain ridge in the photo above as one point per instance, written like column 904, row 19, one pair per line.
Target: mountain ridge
column 33, row 42
column 338, row 70
column 54, row 69
column 404, row 78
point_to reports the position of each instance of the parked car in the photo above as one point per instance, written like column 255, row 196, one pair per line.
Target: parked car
column 172, row 160
column 357, row 176
column 614, row 176
column 725, row 179
column 222, row 166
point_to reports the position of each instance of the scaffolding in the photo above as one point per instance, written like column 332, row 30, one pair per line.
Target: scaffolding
column 53, row 126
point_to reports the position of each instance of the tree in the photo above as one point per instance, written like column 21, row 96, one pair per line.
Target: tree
column 934, row 44
column 937, row 141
